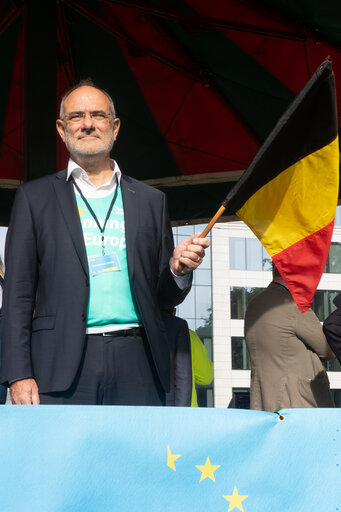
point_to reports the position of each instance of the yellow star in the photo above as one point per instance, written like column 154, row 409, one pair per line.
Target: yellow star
column 235, row 500
column 171, row 458
column 80, row 211
column 207, row 470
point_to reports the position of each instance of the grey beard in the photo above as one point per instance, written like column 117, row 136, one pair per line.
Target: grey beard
column 83, row 153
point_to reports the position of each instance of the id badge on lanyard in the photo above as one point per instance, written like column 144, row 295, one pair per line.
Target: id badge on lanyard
column 101, row 264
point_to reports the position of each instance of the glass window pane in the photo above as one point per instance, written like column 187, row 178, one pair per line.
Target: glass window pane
column 333, row 366
column 191, row 323
column 338, row 216
column 186, row 309
column 237, row 297
column 251, row 293
column 209, row 393
column 203, row 302
column 186, row 230
column 203, row 276
column 204, row 327
column 331, row 296
column 254, row 254
column 240, row 398
column 267, row 261
column 199, row 228
column 208, row 345
column 240, row 355
column 200, row 322
column 237, row 253
column 240, row 298
column 335, row 258
column 318, row 305
column 337, row 397
column 323, row 303
column 326, row 268
column 206, row 262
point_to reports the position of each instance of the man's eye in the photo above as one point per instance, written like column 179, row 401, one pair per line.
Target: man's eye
column 75, row 117
column 99, row 116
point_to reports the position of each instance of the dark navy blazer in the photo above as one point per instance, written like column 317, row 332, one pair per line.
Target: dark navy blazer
column 46, row 288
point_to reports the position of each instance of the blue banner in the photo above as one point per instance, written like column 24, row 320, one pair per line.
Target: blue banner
column 146, row 459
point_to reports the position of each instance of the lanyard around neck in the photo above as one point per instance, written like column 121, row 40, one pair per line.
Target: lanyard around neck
column 94, row 214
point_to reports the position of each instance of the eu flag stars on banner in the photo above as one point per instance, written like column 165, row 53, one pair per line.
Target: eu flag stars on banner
column 207, row 471
column 235, row 500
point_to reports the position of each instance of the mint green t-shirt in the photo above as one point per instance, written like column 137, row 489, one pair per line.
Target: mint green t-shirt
column 111, row 299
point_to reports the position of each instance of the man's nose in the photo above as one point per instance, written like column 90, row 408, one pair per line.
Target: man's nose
column 87, row 121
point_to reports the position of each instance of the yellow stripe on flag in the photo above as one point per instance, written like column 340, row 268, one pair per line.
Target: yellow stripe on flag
column 298, row 202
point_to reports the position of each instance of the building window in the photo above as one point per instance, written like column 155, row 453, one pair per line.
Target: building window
column 237, row 254
column 240, row 398
column 333, row 264
column 332, row 366
column 338, row 216
column 240, row 299
column 205, row 396
column 254, row 254
column 205, row 392
column 323, row 303
column 336, row 394
column 240, row 355
column 248, row 254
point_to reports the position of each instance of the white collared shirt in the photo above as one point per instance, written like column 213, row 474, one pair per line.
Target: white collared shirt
column 89, row 189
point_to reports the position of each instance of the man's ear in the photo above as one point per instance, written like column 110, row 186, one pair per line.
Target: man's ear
column 60, row 129
column 116, row 127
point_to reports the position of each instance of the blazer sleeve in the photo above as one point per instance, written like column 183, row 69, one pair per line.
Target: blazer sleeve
column 19, row 291
column 309, row 330
column 332, row 330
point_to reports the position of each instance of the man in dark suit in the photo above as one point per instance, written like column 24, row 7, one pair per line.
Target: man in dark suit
column 89, row 264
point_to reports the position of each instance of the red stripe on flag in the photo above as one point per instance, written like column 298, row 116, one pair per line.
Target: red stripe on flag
column 301, row 265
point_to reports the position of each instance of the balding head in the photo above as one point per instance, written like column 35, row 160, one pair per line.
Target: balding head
column 86, row 83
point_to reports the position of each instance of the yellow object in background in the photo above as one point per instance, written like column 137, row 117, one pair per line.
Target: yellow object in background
column 202, row 366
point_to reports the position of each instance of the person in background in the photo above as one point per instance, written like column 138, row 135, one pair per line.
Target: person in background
column 3, row 389
column 202, row 366
column 286, row 349
column 180, row 393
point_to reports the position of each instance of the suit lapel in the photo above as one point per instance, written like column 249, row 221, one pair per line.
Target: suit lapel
column 68, row 205
column 131, row 208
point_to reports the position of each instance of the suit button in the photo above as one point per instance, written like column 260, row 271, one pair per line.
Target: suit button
column 83, row 317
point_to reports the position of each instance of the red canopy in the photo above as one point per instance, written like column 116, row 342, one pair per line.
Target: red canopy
column 198, row 85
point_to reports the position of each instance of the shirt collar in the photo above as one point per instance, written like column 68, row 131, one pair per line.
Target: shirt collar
column 76, row 171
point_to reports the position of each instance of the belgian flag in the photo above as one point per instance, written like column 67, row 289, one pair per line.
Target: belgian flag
column 288, row 195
